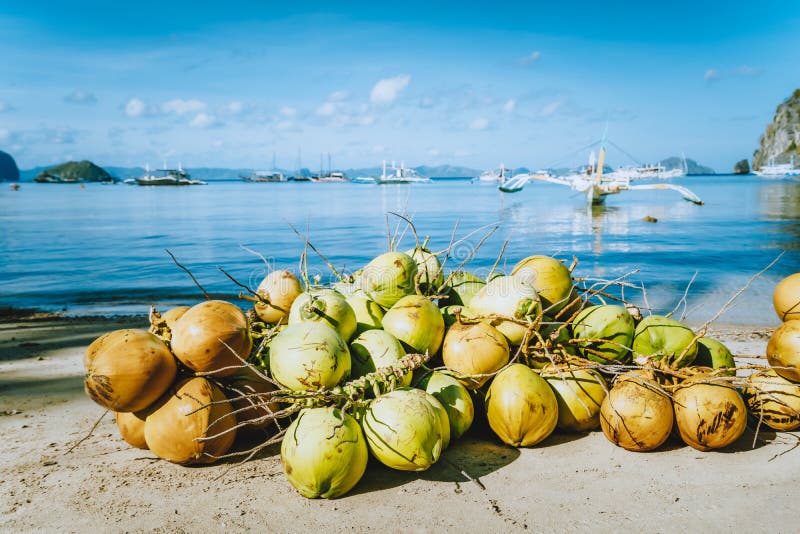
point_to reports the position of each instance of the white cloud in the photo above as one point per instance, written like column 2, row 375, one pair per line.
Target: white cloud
column 5, row 135
column 387, row 90
column 178, row 106
column 235, row 107
column 79, row 96
column 479, row 124
column 135, row 107
column 203, row 120
column 533, row 57
column 327, row 109
column 426, row 102
column 434, row 152
column 288, row 111
column 551, row 108
column 5, row 107
column 366, row 120
column 338, row 96
column 285, row 125
column 712, row 75
column 509, row 106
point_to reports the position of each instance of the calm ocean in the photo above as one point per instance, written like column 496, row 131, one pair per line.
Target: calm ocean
column 101, row 249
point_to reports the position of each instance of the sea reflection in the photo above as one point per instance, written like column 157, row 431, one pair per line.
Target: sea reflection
column 780, row 201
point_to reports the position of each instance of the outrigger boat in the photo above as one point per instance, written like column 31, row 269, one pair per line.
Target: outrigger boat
column 495, row 175
column 400, row 175
column 779, row 170
column 594, row 184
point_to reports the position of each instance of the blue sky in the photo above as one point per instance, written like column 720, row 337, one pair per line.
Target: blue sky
column 429, row 83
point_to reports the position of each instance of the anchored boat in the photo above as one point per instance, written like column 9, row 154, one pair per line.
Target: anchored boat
column 400, row 175
column 167, row 177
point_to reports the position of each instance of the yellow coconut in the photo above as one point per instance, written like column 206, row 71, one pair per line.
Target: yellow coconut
column 786, row 298
column 783, row 350
column 212, row 337
column 580, row 393
column 520, row 407
column 127, row 370
column 131, row 428
column 773, row 400
column 246, row 390
column 709, row 414
column 636, row 415
column 508, row 297
column 474, row 349
column 277, row 293
column 550, row 277
column 186, row 428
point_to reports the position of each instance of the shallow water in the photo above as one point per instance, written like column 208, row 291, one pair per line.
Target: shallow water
column 101, row 249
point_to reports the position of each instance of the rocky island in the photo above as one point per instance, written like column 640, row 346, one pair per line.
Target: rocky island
column 8, row 168
column 74, row 172
column 782, row 137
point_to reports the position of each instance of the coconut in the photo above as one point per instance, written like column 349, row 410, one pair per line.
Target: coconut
column 128, row 370
column 610, row 323
column 212, row 338
column 417, row 323
column 451, row 313
column 429, row 270
column 403, row 430
column 556, row 337
column 462, row 287
column 580, row 393
column 131, row 428
column 191, row 423
column 511, row 297
column 276, row 294
column 474, row 349
column 169, row 318
column 325, row 305
column 441, row 414
column 662, row 338
column 244, row 389
column 309, row 356
column 711, row 353
column 786, row 298
column 368, row 313
column 636, row 415
column 324, row 453
column 389, row 277
column 783, row 350
column 709, row 415
column 454, row 397
column 773, row 399
column 551, row 279
column 373, row 350
column 520, row 407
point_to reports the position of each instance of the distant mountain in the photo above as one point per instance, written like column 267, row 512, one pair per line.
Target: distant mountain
column 692, row 166
column 8, row 168
column 781, row 140
column 74, row 171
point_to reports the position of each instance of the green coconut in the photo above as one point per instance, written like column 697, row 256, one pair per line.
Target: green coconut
column 417, row 323
column 611, row 323
column 512, row 297
column 712, row 353
column 368, row 313
column 325, row 305
column 550, row 277
column 450, row 314
column 462, row 287
column 580, row 393
column 404, row 430
column 429, row 270
column 375, row 349
column 521, row 407
column 662, row 338
column 389, row 277
column 454, row 397
column 309, row 356
column 324, row 453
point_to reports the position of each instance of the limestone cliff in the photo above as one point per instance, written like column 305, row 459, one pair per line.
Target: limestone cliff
column 782, row 138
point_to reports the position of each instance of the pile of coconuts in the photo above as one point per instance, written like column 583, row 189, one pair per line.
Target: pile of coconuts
column 394, row 361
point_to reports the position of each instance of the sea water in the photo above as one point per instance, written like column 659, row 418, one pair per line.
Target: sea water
column 101, row 249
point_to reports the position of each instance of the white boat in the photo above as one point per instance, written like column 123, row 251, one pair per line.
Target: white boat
column 650, row 172
column 596, row 186
column 400, row 175
column 780, row 170
column 167, row 177
column 264, row 176
column 330, row 177
column 500, row 174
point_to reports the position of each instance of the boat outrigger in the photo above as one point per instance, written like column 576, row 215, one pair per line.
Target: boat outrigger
column 595, row 185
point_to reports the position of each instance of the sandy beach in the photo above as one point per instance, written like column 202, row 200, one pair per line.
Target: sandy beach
column 569, row 482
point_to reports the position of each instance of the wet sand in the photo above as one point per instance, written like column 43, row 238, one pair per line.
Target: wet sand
column 569, row 482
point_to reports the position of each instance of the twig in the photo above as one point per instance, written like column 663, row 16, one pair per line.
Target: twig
column 208, row 297
column 87, row 436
